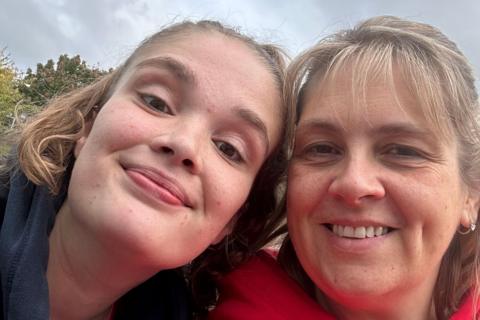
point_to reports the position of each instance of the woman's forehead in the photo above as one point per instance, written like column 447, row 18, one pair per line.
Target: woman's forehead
column 371, row 86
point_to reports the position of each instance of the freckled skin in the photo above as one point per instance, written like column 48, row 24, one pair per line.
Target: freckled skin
column 129, row 132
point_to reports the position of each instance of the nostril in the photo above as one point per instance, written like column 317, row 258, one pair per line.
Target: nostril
column 167, row 150
column 187, row 162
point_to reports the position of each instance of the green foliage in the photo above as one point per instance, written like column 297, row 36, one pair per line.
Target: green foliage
column 51, row 80
column 22, row 96
column 10, row 97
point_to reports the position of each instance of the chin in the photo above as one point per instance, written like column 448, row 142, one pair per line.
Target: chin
column 356, row 286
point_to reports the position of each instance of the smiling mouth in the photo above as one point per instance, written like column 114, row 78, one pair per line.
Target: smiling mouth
column 158, row 186
column 361, row 232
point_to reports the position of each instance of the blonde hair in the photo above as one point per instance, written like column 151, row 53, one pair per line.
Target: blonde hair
column 45, row 143
column 45, row 152
column 440, row 78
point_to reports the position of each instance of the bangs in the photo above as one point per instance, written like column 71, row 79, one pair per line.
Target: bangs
column 386, row 63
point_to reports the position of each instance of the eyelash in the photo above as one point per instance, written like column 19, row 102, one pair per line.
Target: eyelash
column 403, row 152
column 236, row 157
column 321, row 151
column 147, row 99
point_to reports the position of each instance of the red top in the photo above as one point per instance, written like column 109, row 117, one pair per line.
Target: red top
column 465, row 311
column 260, row 289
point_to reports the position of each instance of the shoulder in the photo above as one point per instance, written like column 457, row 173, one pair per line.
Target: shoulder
column 260, row 289
column 465, row 311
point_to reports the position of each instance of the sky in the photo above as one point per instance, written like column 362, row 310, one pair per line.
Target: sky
column 104, row 32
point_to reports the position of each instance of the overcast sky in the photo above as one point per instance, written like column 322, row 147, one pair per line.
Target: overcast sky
column 104, row 32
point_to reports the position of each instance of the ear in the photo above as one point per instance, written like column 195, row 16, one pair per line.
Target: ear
column 83, row 138
column 471, row 207
column 227, row 230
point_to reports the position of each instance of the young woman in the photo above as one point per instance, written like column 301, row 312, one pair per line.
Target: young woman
column 383, row 185
column 139, row 173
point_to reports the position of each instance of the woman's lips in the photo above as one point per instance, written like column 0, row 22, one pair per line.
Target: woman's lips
column 158, row 186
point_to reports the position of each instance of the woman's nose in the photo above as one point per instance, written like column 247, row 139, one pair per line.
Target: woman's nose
column 357, row 182
column 181, row 147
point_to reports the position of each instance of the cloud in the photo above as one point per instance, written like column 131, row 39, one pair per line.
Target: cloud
column 97, row 30
column 104, row 32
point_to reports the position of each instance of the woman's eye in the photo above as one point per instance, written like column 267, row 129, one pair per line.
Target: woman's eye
column 319, row 153
column 322, row 149
column 156, row 104
column 403, row 151
column 229, row 151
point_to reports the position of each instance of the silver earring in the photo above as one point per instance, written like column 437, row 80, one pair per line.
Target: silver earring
column 462, row 230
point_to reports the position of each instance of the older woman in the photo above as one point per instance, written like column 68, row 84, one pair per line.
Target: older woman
column 383, row 187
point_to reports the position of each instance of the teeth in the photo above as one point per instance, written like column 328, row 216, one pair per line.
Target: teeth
column 359, row 232
column 348, row 232
column 370, row 232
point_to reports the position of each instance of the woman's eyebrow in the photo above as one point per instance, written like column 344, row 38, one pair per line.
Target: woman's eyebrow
column 180, row 70
column 399, row 128
column 252, row 119
column 185, row 74
column 317, row 124
column 405, row 129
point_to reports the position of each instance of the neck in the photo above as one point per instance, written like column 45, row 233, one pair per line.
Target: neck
column 85, row 277
column 415, row 305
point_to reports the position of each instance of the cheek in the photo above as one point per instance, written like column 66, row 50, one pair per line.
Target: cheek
column 436, row 201
column 225, row 191
column 307, row 242
column 116, row 127
column 305, row 189
column 430, row 206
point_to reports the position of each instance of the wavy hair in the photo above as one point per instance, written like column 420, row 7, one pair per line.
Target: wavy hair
column 45, row 151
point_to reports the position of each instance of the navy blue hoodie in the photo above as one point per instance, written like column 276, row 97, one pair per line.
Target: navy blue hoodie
column 27, row 215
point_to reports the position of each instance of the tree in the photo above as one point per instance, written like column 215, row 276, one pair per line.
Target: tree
column 51, row 80
column 10, row 97
column 12, row 106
